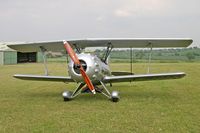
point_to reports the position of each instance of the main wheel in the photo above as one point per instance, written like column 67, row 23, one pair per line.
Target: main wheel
column 115, row 96
column 67, row 95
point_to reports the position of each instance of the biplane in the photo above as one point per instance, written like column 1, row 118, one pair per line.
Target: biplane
column 90, row 71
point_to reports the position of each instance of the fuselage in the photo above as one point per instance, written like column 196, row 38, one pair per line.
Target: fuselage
column 93, row 66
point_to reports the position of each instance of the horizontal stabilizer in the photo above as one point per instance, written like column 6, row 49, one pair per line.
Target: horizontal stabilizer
column 44, row 78
column 143, row 77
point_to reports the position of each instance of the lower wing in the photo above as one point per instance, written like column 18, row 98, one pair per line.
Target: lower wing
column 107, row 79
column 143, row 77
column 44, row 78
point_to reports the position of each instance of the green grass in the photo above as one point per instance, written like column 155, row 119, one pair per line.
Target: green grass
column 153, row 106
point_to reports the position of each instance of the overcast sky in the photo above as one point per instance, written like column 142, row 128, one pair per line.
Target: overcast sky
column 43, row 20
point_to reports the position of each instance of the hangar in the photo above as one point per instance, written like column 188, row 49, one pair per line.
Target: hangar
column 10, row 56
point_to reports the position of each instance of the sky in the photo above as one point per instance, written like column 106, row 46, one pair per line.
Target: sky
column 45, row 20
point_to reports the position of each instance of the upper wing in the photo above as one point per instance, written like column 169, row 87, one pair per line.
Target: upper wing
column 143, row 77
column 103, row 42
column 44, row 78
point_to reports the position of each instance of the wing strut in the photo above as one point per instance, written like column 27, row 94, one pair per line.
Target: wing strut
column 131, row 60
column 43, row 50
column 150, row 55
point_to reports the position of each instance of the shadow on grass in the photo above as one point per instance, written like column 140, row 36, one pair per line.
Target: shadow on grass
column 53, row 95
column 124, row 94
column 90, row 97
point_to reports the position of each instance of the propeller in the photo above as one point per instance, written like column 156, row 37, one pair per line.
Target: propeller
column 77, row 63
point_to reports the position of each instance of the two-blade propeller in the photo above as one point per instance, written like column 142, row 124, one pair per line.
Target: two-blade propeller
column 77, row 63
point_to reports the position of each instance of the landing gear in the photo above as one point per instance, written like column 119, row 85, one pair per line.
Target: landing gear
column 115, row 96
column 67, row 95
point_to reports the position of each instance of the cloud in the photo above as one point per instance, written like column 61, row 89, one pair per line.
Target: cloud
column 122, row 13
column 131, row 8
column 100, row 18
column 23, row 20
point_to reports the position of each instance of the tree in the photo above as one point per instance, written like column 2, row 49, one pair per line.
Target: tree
column 190, row 56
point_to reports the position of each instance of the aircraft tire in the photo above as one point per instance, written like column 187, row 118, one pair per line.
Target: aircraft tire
column 115, row 99
column 67, row 95
column 115, row 96
column 66, row 99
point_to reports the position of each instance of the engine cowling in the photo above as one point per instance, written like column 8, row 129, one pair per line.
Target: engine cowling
column 92, row 65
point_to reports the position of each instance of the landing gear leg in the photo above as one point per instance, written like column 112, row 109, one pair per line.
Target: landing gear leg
column 114, row 96
column 68, row 95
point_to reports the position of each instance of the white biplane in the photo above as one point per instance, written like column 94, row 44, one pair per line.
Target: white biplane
column 89, row 70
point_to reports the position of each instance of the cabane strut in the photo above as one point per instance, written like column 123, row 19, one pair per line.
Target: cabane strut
column 107, row 53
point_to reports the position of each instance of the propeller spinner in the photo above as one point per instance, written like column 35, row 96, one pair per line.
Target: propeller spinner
column 77, row 63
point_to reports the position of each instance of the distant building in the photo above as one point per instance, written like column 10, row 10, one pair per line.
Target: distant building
column 10, row 56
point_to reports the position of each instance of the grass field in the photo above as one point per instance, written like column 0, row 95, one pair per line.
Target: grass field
column 153, row 106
